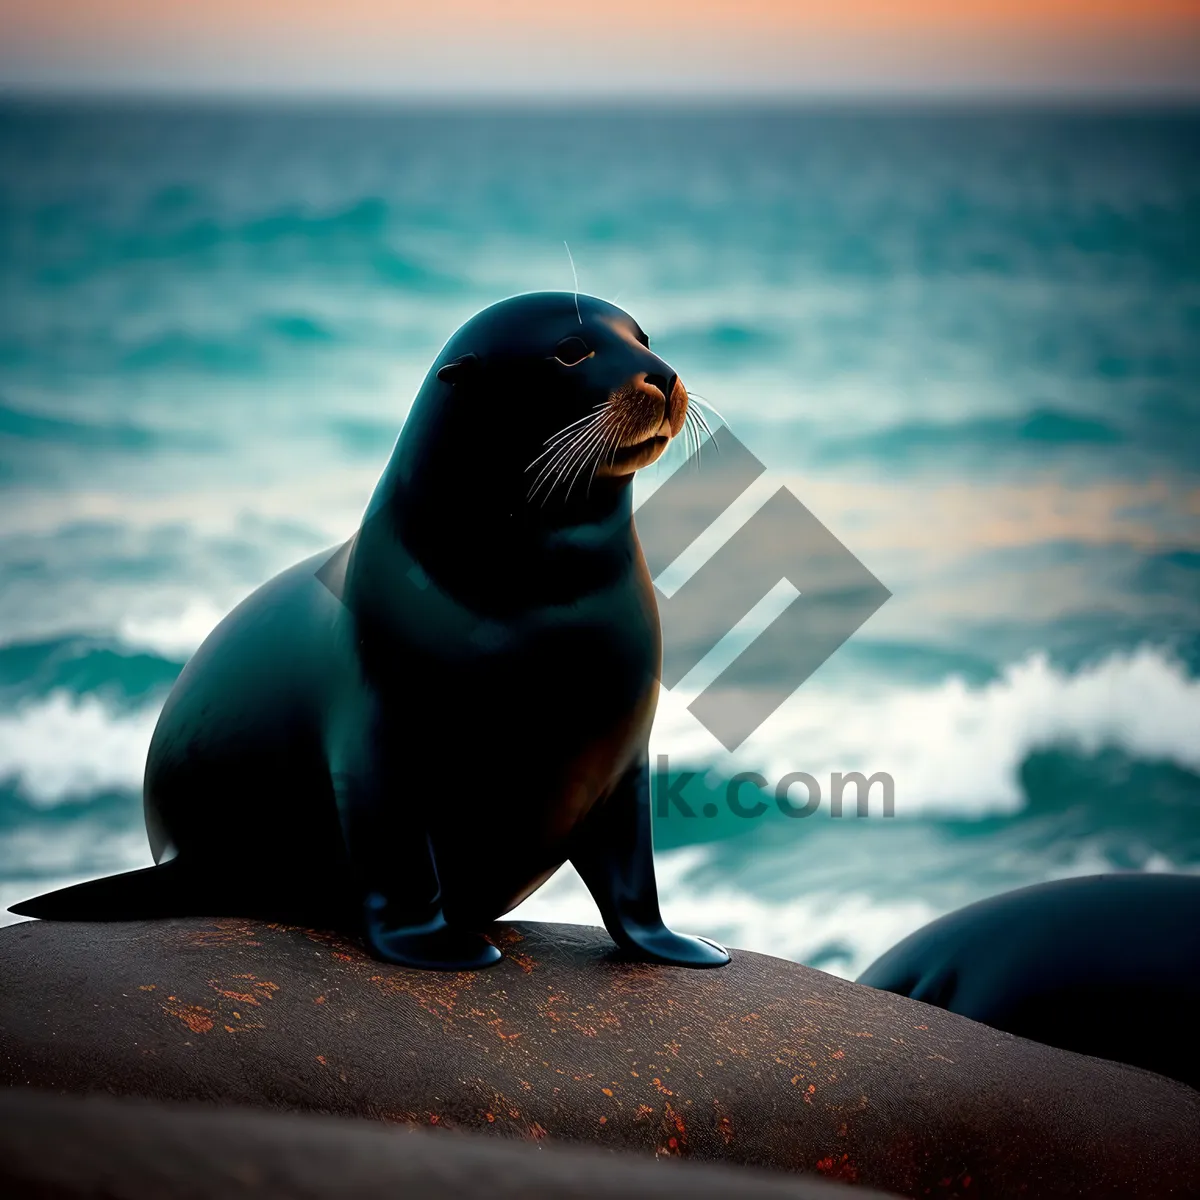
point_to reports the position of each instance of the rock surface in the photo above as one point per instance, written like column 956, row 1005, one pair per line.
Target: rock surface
column 89, row 1146
column 763, row 1062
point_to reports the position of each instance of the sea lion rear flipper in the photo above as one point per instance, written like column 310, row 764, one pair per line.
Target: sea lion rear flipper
column 161, row 891
column 614, row 856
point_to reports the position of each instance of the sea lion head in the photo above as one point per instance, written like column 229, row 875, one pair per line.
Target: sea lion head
column 549, row 395
column 510, row 478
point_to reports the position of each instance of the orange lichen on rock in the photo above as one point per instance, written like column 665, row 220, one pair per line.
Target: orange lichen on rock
column 436, row 993
column 196, row 1018
column 223, row 932
column 840, row 1168
column 260, row 990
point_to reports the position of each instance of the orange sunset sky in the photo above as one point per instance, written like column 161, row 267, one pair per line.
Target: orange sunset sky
column 617, row 47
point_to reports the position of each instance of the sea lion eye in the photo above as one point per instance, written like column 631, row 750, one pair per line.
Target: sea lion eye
column 572, row 350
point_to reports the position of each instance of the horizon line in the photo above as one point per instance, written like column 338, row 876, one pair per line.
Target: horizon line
column 791, row 97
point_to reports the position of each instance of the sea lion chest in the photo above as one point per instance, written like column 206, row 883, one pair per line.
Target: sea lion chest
column 512, row 728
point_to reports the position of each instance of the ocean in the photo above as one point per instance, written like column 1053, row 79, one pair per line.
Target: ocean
column 968, row 340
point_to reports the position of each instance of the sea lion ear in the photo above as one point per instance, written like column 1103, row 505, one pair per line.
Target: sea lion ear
column 454, row 372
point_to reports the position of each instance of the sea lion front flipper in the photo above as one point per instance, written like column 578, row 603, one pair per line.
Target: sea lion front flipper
column 392, row 861
column 431, row 946
column 614, row 857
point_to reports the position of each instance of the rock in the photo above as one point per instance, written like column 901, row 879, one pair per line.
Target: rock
column 85, row 1146
column 763, row 1062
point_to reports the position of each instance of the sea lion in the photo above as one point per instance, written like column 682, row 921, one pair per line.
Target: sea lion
column 1107, row 965
column 413, row 733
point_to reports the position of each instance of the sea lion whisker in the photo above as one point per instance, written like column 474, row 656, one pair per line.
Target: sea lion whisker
column 595, row 441
column 553, row 468
column 691, row 438
column 558, row 435
column 598, row 408
column 562, row 461
column 712, row 408
column 599, row 456
column 566, row 465
column 698, row 410
column 613, row 419
column 629, row 422
column 565, row 436
column 609, row 447
column 684, row 437
column 575, row 276
column 623, row 425
column 701, row 420
column 703, row 424
column 549, row 469
column 609, row 431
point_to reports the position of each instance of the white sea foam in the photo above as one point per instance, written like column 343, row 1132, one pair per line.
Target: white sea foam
column 177, row 633
column 951, row 747
column 65, row 746
column 843, row 932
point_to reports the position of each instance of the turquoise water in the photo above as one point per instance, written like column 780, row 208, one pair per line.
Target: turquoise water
column 968, row 342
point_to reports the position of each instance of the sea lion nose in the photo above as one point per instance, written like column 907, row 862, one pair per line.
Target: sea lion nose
column 665, row 384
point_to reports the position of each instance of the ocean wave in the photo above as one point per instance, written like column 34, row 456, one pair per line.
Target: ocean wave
column 997, row 810
column 299, row 327
column 65, row 747
column 23, row 426
column 720, row 343
column 840, row 925
column 81, row 665
column 363, row 437
column 358, row 236
column 1042, row 428
column 36, row 859
column 262, row 343
column 841, row 932
column 75, row 723
column 957, row 748
column 175, row 635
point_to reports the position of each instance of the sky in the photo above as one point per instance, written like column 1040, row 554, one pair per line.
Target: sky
column 616, row 48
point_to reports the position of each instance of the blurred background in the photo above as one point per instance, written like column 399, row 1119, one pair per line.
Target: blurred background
column 937, row 265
